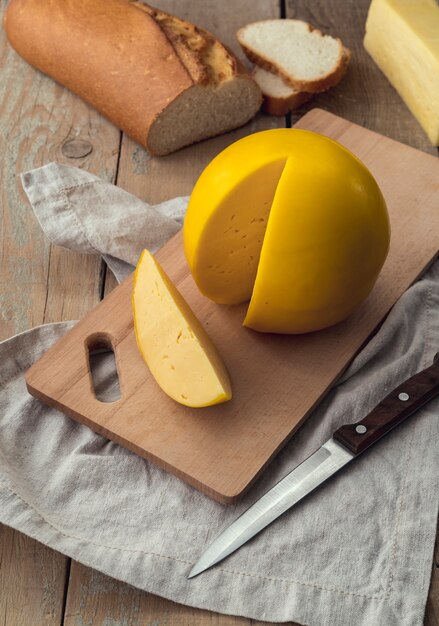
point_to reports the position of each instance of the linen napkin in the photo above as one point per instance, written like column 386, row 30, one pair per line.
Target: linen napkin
column 357, row 551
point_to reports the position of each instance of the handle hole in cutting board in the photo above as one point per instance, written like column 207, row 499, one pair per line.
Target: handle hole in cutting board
column 103, row 369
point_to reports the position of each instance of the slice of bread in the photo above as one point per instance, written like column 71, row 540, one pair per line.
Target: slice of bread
column 162, row 80
column 279, row 98
column 306, row 59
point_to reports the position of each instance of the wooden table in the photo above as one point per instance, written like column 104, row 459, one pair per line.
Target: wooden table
column 40, row 122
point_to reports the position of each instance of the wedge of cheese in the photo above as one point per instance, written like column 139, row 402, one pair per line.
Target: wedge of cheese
column 402, row 36
column 172, row 341
column 292, row 222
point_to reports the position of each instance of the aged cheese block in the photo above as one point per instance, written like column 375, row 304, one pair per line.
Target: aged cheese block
column 174, row 345
column 402, row 36
column 291, row 221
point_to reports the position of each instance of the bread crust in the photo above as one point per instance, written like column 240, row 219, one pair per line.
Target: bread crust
column 315, row 86
column 116, row 56
column 273, row 105
column 196, row 46
column 190, row 54
column 278, row 104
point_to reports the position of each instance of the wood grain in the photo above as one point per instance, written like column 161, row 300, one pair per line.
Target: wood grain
column 37, row 118
column 39, row 282
column 103, row 601
column 32, row 578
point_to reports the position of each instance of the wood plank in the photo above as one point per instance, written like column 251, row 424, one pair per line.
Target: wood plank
column 98, row 600
column 40, row 122
column 38, row 118
column 32, row 580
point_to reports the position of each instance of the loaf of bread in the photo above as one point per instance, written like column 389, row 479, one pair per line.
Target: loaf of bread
column 162, row 80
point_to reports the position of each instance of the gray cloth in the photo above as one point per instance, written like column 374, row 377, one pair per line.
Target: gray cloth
column 356, row 552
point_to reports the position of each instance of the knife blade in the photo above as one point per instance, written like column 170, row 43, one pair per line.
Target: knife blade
column 346, row 444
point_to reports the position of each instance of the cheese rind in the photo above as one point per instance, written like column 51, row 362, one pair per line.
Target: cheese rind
column 402, row 36
column 172, row 341
column 325, row 243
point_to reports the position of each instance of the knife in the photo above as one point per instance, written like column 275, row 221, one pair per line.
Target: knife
column 345, row 445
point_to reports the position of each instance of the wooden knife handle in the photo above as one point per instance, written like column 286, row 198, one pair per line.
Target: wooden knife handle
column 392, row 411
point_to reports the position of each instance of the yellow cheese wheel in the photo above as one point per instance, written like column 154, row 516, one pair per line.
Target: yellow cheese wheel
column 291, row 221
column 174, row 345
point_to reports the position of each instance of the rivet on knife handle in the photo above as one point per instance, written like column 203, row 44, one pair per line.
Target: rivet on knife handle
column 394, row 409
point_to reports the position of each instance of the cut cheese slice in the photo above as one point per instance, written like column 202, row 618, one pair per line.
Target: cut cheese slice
column 234, row 233
column 227, row 215
column 173, row 343
column 402, row 36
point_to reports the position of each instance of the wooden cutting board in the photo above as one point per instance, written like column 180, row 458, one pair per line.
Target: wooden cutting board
column 277, row 380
